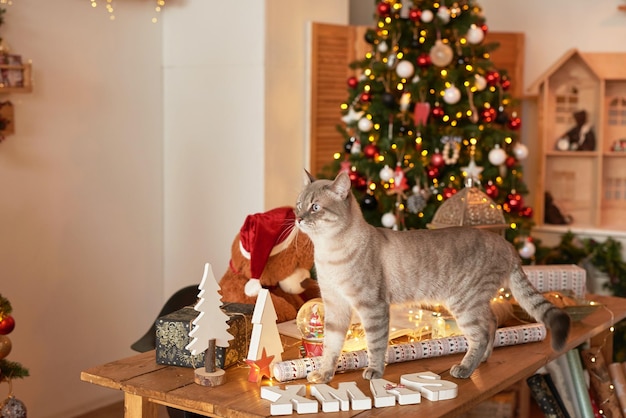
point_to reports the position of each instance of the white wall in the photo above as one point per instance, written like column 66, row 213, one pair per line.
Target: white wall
column 136, row 159
column 81, row 211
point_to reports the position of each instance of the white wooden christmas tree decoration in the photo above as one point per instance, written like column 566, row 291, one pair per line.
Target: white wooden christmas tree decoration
column 265, row 335
column 210, row 329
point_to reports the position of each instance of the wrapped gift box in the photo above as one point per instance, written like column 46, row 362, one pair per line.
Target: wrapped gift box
column 557, row 277
column 172, row 336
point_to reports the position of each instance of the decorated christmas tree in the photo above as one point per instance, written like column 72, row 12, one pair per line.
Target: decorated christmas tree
column 427, row 112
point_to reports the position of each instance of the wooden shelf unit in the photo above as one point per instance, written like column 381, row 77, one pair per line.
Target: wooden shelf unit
column 26, row 75
column 588, row 185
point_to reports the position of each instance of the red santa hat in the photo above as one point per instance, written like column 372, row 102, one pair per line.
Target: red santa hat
column 261, row 236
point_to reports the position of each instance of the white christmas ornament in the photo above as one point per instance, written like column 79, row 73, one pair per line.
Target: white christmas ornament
column 452, row 95
column 520, row 151
column 405, row 69
column 352, row 116
column 383, row 47
column 480, row 82
column 497, row 156
column 388, row 220
column 427, row 16
column 356, row 147
column 444, row 14
column 527, row 250
column 475, row 35
column 365, row 125
column 386, row 173
column 441, row 54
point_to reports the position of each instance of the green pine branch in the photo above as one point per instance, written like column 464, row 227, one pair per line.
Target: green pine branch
column 12, row 370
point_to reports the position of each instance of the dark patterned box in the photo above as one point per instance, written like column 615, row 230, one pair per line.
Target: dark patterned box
column 172, row 336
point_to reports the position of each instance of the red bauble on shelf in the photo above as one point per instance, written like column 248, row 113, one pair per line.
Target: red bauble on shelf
column 7, row 323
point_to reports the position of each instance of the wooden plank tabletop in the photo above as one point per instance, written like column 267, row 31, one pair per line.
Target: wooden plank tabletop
column 173, row 386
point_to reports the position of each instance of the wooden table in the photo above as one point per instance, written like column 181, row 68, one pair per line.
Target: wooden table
column 147, row 384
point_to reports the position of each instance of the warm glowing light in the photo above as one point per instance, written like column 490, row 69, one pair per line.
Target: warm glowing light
column 336, row 156
column 513, row 225
column 444, row 73
column 508, row 140
column 469, row 67
column 344, row 106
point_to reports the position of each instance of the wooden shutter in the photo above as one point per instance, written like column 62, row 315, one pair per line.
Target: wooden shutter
column 510, row 57
column 334, row 48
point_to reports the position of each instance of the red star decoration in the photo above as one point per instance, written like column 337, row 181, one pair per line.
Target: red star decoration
column 260, row 367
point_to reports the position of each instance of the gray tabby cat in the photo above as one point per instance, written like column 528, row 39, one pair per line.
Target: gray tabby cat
column 365, row 268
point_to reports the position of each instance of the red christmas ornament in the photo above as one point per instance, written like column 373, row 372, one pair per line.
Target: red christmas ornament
column 6, row 325
column 436, row 160
column 484, row 28
column 438, row 111
column 423, row 60
column 358, row 181
column 420, row 113
column 365, row 97
column 415, row 15
column 492, row 190
column 384, row 9
column 432, row 172
column 492, row 77
column 526, row 212
column 488, row 115
column 448, row 192
column 505, row 83
column 510, row 161
column 353, row 82
column 371, row 151
column 514, row 123
column 514, row 202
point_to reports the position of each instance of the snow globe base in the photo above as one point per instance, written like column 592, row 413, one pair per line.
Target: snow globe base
column 204, row 378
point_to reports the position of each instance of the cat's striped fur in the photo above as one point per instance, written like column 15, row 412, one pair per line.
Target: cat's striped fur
column 365, row 268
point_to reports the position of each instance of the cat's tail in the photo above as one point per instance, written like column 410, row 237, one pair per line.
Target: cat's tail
column 533, row 302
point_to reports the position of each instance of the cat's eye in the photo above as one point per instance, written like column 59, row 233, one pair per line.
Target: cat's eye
column 315, row 207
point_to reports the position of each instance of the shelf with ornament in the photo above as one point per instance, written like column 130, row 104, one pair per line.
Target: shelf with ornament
column 15, row 76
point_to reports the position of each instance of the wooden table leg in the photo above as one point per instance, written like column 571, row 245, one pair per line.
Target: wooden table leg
column 136, row 406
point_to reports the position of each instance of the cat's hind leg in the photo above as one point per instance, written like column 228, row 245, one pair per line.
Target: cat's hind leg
column 478, row 326
column 336, row 323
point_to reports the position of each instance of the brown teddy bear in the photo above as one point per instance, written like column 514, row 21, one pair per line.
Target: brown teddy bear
column 268, row 252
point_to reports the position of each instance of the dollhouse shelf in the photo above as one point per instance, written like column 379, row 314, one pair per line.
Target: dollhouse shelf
column 16, row 78
column 588, row 185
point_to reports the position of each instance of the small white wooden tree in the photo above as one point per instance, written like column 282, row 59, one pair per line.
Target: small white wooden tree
column 265, row 333
column 210, row 328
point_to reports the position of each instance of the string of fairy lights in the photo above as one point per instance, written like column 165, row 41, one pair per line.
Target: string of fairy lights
column 110, row 8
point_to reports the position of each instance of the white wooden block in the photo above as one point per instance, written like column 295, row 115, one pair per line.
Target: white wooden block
column 283, row 400
column 347, row 394
column 387, row 393
column 430, row 385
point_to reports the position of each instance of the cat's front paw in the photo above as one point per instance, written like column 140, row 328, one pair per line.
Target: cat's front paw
column 461, row 372
column 318, row 376
column 370, row 373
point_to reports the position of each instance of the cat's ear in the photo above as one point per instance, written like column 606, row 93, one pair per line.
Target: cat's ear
column 341, row 185
column 308, row 177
